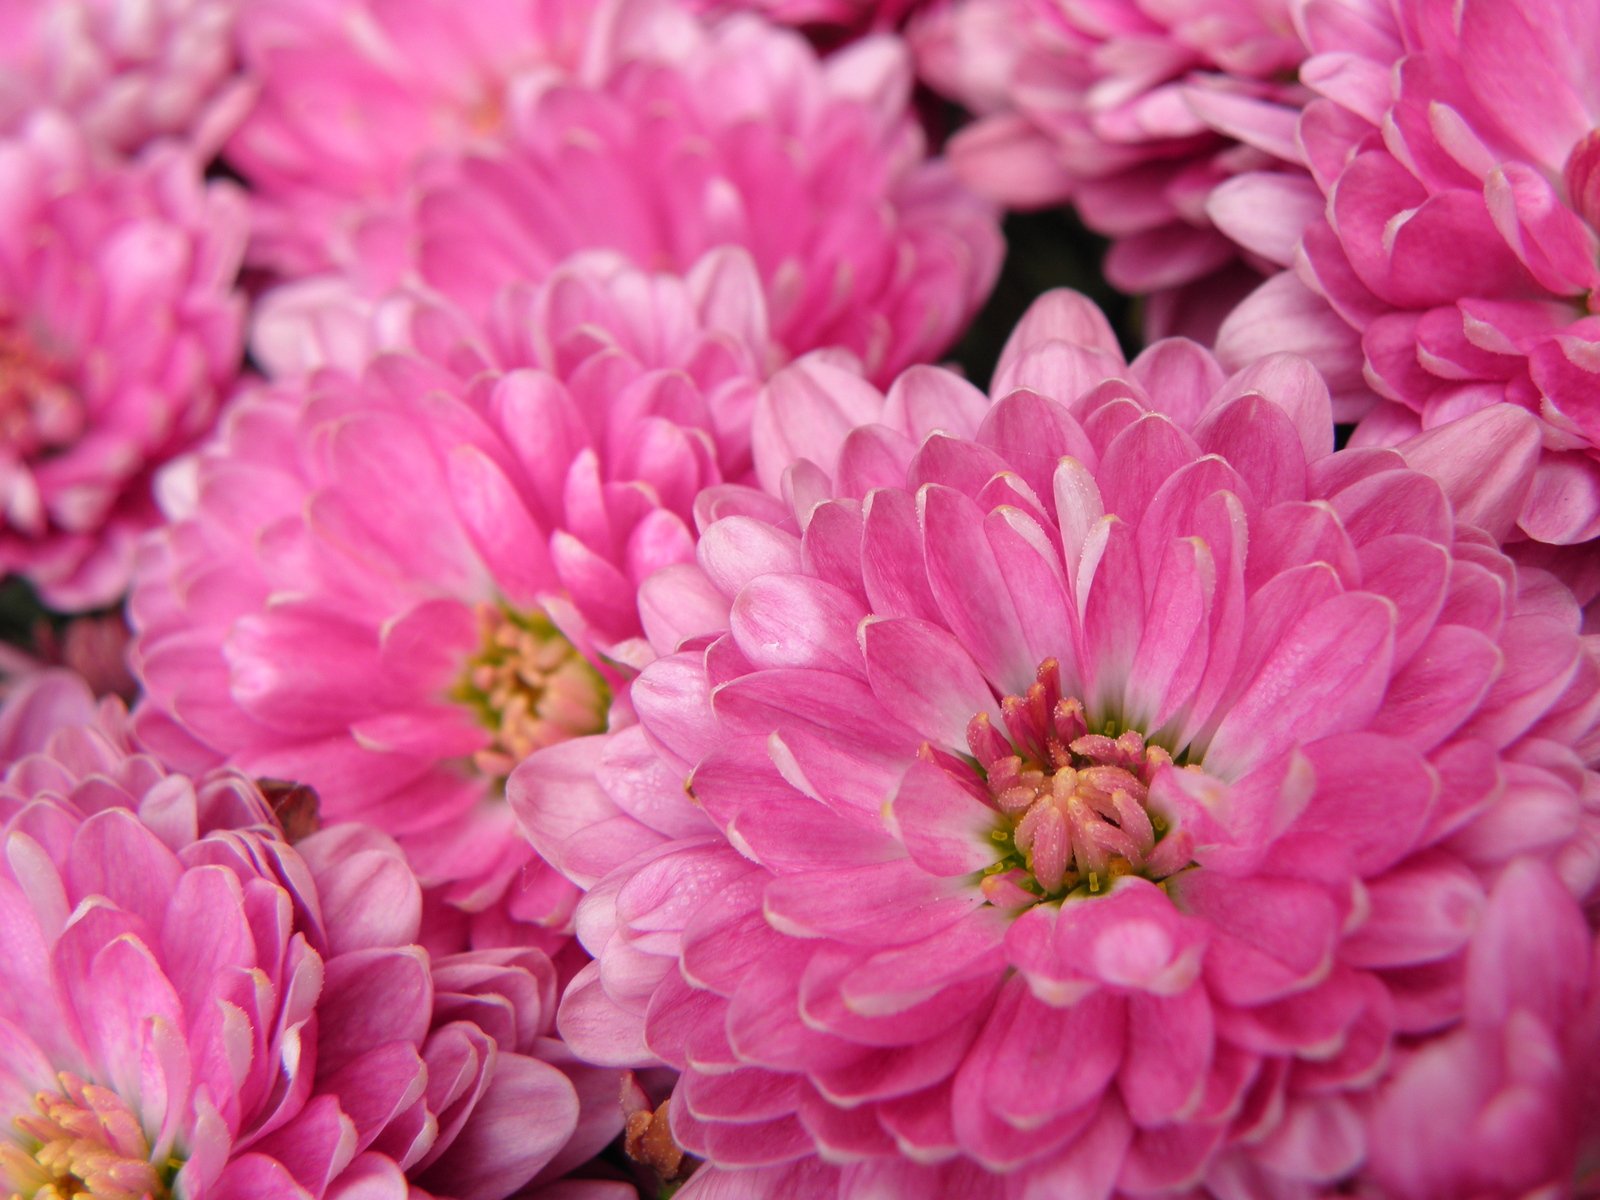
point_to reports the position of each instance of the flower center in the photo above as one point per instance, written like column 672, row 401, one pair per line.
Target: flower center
column 85, row 1143
column 38, row 411
column 529, row 686
column 1074, row 802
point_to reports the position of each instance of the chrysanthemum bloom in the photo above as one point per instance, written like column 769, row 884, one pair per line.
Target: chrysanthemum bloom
column 194, row 1008
column 746, row 138
column 127, row 73
column 1083, row 799
column 1132, row 110
column 119, row 333
column 1447, row 238
column 1497, row 1107
column 394, row 586
column 354, row 94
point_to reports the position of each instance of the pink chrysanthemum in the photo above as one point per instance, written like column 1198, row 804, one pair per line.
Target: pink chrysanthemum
column 194, row 1008
column 119, row 333
column 1132, row 110
column 355, row 94
column 743, row 137
column 1447, row 238
column 393, row 586
column 1091, row 793
column 1504, row 1104
column 127, row 73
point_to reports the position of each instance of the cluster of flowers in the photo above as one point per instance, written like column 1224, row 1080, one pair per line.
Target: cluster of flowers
column 602, row 715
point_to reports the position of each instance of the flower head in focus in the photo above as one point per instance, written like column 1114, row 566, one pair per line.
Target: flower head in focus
column 393, row 579
column 1097, row 787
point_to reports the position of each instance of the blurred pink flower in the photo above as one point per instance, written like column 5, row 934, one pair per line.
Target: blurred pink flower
column 1091, row 792
column 1498, row 1106
column 1132, row 110
column 120, row 332
column 1445, row 245
column 393, row 584
column 127, row 73
column 731, row 134
column 193, row 1007
column 356, row 94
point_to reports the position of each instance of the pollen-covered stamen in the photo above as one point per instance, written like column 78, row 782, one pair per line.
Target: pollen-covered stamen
column 38, row 411
column 82, row 1141
column 529, row 686
column 1076, row 801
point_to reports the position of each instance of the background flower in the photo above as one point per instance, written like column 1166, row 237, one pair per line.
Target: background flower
column 355, row 95
column 120, row 332
column 1134, row 112
column 126, row 74
column 196, row 1008
column 1424, row 139
column 745, row 138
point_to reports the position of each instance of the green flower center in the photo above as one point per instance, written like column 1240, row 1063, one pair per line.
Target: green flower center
column 83, row 1142
column 529, row 686
column 1073, row 805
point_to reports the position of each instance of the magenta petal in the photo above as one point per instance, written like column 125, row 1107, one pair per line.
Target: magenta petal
column 257, row 1177
column 1016, row 1070
column 969, row 589
column 370, row 1177
column 944, row 828
column 114, row 855
column 1485, row 463
column 891, row 903
column 526, row 1115
column 596, row 1028
column 315, row 1145
column 1327, row 673
column 922, row 675
column 1164, row 1072
column 796, row 620
column 370, row 899
column 1276, row 935
column 372, row 997
column 1422, row 911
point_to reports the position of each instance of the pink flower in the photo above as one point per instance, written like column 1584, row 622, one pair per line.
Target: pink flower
column 119, row 333
column 742, row 137
column 128, row 74
column 193, row 1007
column 1497, row 1107
column 394, row 585
column 1133, row 110
column 1448, row 232
column 1091, row 792
column 355, row 94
